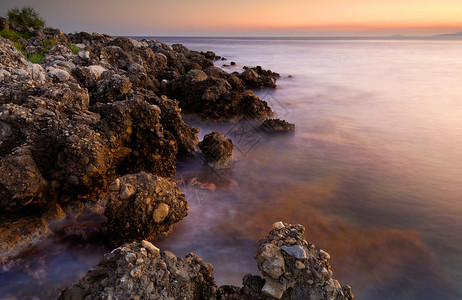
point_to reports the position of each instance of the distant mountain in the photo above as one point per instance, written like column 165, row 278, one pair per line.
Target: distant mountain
column 451, row 34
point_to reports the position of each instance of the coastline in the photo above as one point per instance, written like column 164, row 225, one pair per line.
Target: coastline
column 99, row 109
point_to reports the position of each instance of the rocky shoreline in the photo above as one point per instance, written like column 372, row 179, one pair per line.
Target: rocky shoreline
column 89, row 140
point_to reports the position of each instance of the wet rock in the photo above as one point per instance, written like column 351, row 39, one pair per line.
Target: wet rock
column 145, row 207
column 135, row 271
column 218, row 151
column 276, row 126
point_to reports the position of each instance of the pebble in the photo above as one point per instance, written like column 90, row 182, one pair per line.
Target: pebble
column 115, row 185
column 126, row 191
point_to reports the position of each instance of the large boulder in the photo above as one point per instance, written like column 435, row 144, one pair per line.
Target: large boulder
column 141, row 271
column 142, row 206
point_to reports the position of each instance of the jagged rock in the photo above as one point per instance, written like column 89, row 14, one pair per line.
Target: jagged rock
column 144, row 207
column 185, row 135
column 314, row 281
column 258, row 78
column 218, row 150
column 140, row 271
column 276, row 126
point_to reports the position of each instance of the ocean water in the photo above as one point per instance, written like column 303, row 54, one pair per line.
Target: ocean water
column 373, row 171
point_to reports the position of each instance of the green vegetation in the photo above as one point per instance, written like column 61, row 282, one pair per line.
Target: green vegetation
column 20, row 48
column 13, row 35
column 36, row 58
column 47, row 43
column 26, row 16
column 73, row 47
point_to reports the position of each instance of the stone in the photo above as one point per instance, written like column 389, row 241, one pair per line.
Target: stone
column 270, row 261
column 273, row 288
column 127, row 191
column 278, row 225
column 296, row 251
column 324, row 255
column 150, row 247
column 160, row 213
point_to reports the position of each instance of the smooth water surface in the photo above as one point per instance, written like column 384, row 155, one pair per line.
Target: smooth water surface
column 374, row 170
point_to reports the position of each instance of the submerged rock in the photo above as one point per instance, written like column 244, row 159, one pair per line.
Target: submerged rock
column 218, row 151
column 142, row 206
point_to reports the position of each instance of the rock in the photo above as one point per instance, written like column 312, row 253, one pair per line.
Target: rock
column 324, row 255
column 270, row 261
column 304, row 275
column 258, row 78
column 141, row 270
column 156, row 275
column 273, row 288
column 278, row 225
column 127, row 191
column 296, row 251
column 149, row 208
column 21, row 182
column 160, row 213
column 19, row 235
column 96, row 71
column 276, row 126
column 196, row 76
column 53, row 212
column 218, row 151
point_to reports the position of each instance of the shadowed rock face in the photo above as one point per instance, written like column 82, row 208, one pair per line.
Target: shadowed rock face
column 292, row 268
column 142, row 206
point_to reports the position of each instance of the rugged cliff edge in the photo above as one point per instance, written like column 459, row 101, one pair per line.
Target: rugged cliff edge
column 91, row 125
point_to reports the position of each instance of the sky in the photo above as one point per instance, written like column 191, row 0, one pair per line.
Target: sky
column 250, row 17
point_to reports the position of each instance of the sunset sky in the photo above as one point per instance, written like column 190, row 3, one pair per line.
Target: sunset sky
column 250, row 17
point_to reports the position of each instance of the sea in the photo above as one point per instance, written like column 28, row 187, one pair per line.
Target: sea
column 373, row 170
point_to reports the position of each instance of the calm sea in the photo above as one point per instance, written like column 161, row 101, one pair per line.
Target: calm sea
column 373, row 171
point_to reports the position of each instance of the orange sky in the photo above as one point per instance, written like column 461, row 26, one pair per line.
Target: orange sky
column 244, row 17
